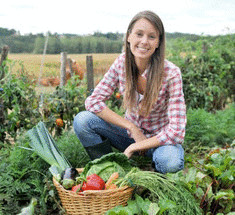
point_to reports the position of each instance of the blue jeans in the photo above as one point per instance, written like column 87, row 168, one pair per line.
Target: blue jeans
column 91, row 129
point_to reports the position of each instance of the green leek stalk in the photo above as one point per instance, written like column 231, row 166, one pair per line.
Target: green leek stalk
column 44, row 146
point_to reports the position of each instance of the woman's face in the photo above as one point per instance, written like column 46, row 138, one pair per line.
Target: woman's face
column 143, row 39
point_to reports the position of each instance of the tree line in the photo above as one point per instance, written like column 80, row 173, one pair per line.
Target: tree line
column 75, row 44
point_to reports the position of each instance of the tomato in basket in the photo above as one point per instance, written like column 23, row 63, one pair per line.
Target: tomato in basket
column 93, row 182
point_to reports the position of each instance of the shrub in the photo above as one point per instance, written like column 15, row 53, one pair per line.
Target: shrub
column 207, row 70
column 24, row 108
column 208, row 129
column 20, row 104
column 64, row 103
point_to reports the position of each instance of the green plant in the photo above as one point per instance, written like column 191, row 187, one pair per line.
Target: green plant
column 208, row 130
column 207, row 70
column 162, row 188
column 211, row 180
column 24, row 175
column 20, row 103
column 115, row 103
column 142, row 206
column 64, row 103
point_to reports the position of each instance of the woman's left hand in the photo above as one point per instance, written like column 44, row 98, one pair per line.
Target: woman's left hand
column 129, row 151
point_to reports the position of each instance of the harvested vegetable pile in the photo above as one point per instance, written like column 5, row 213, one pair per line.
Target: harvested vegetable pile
column 111, row 171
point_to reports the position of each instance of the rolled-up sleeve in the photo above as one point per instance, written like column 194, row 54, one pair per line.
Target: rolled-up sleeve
column 174, row 131
column 96, row 101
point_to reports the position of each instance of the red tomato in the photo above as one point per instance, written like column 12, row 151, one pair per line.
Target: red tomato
column 59, row 122
column 93, row 182
column 118, row 95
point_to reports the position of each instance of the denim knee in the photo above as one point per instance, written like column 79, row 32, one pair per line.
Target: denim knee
column 169, row 158
column 81, row 121
column 82, row 126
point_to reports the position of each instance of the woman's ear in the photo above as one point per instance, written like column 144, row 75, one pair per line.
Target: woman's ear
column 128, row 37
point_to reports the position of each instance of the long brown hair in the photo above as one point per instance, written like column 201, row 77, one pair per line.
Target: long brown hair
column 156, row 69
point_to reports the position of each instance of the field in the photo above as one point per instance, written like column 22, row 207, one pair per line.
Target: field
column 32, row 63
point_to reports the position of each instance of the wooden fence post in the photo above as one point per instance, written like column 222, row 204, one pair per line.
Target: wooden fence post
column 4, row 54
column 63, row 68
column 3, row 58
column 204, row 47
column 90, row 74
column 69, row 61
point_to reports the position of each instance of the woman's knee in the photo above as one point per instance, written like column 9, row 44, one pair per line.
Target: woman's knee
column 169, row 159
column 81, row 121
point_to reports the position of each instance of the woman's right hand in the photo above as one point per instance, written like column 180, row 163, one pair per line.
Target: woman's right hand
column 136, row 133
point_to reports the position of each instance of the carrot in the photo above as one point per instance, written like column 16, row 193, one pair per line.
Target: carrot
column 112, row 186
column 113, row 177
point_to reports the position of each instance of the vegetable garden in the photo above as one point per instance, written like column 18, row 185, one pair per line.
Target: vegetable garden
column 205, row 186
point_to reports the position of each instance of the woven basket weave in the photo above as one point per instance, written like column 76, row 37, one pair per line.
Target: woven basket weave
column 92, row 201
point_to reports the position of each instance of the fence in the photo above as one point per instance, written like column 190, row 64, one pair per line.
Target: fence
column 4, row 54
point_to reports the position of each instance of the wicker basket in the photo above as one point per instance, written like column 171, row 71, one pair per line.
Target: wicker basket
column 92, row 201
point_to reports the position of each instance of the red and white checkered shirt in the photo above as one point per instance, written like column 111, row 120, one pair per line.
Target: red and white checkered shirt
column 167, row 119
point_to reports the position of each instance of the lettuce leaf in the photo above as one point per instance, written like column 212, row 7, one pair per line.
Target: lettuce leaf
column 108, row 164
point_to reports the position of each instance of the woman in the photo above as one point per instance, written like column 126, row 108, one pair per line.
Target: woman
column 153, row 98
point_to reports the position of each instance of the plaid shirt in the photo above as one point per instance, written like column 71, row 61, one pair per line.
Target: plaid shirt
column 167, row 119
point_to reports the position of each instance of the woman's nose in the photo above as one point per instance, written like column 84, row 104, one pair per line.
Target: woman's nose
column 144, row 39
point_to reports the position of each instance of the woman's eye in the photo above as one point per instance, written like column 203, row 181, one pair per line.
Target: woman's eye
column 139, row 34
column 152, row 37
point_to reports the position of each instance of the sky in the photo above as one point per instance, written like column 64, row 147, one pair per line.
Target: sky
column 202, row 17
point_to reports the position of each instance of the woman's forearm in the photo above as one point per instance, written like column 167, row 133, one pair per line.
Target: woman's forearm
column 111, row 117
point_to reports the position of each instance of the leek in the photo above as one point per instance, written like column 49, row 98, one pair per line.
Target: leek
column 44, row 146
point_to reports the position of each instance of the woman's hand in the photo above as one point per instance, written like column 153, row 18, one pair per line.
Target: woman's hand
column 136, row 133
column 129, row 151
column 138, row 136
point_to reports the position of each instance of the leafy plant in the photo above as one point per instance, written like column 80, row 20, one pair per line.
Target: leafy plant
column 162, row 189
column 211, row 180
column 207, row 70
column 19, row 102
column 64, row 103
column 206, row 129
column 142, row 206
column 24, row 108
column 24, row 175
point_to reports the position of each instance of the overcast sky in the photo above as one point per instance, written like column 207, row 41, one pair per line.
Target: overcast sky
column 211, row 17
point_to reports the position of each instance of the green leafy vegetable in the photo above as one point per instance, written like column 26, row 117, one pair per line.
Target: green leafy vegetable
column 136, row 206
column 163, row 188
column 107, row 165
column 43, row 144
